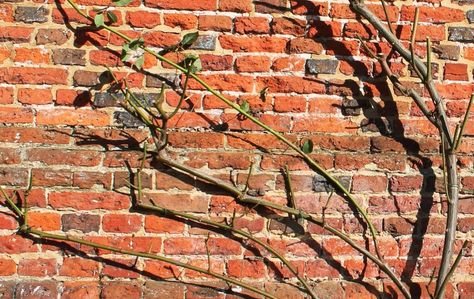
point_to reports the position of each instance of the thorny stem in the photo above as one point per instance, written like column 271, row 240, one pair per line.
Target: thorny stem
column 332, row 180
column 26, row 229
column 289, row 210
column 239, row 232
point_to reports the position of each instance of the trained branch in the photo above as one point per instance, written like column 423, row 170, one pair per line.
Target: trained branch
column 27, row 230
column 312, row 163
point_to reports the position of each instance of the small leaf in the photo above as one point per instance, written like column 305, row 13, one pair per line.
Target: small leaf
column 112, row 17
column 307, row 147
column 197, row 66
column 99, row 20
column 245, row 106
column 139, row 62
column 121, row 2
column 136, row 43
column 189, row 39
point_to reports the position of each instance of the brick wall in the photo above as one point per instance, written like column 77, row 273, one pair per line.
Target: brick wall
column 59, row 126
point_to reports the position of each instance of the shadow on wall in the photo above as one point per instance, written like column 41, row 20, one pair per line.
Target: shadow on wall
column 382, row 117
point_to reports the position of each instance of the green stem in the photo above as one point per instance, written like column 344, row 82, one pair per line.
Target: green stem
column 332, row 180
column 291, row 211
column 45, row 235
column 237, row 232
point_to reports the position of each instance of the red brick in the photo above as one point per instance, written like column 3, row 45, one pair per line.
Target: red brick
column 80, row 289
column 16, row 115
column 16, row 244
column 249, row 25
column 35, row 96
column 15, row 34
column 246, row 268
column 6, row 95
column 118, row 223
column 290, row 104
column 161, row 39
column 235, row 5
column 123, row 289
column 34, row 135
column 125, row 269
column 253, row 44
column 89, row 201
column 69, row 157
column 325, row 29
column 216, row 62
column 6, row 13
column 180, row 202
column 227, row 82
column 343, row 11
column 369, row 183
column 252, row 64
column 287, row 84
column 184, row 21
column 155, row 224
column 295, row 27
column 305, row 45
column 37, row 267
column 143, row 19
column 73, row 117
column 32, row 56
column 161, row 269
column 455, row 71
column 184, row 246
column 7, row 266
column 184, row 4
column 45, row 221
column 29, row 75
column 432, row 14
column 79, row 267
column 215, row 23
column 9, row 156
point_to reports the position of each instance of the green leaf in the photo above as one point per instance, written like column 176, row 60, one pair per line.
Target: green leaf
column 136, row 43
column 245, row 106
column 189, row 39
column 99, row 20
column 112, row 17
column 307, row 147
column 197, row 66
column 193, row 63
column 122, row 2
column 139, row 62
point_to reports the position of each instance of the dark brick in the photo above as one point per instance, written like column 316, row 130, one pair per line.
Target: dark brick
column 470, row 16
column 204, row 42
column 31, row 14
column 271, row 6
column 69, row 56
column 126, row 119
column 52, row 36
column 156, row 80
column 320, row 184
column 105, row 99
column 464, row 2
column 83, row 222
column 86, row 78
column 351, row 107
column 449, row 52
column 461, row 34
column 323, row 66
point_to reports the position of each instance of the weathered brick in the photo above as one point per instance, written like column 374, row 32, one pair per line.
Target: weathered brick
column 323, row 66
column 69, row 56
column 52, row 36
column 31, row 14
column 461, row 34
column 85, row 223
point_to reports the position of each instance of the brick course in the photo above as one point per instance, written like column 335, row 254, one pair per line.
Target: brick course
column 58, row 124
